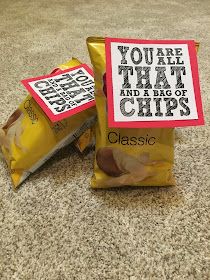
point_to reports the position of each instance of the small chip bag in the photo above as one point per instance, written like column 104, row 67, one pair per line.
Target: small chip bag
column 143, row 89
column 61, row 108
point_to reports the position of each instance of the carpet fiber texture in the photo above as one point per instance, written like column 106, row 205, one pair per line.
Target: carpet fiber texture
column 55, row 226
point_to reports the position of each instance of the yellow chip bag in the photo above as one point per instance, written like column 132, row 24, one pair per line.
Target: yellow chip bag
column 29, row 138
column 126, row 156
column 86, row 140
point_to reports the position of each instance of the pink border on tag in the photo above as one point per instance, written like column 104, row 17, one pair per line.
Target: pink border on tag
column 158, row 123
column 42, row 104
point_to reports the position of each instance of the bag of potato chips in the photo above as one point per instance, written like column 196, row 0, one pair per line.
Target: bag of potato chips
column 126, row 153
column 29, row 137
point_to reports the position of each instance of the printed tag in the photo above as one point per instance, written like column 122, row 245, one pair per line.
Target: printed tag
column 152, row 83
column 63, row 93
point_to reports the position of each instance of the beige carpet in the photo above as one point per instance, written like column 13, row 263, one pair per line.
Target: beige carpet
column 55, row 226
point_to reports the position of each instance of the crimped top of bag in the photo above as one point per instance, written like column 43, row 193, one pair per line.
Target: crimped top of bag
column 102, row 40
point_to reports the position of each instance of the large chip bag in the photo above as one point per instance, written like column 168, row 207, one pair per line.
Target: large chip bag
column 29, row 138
column 126, row 156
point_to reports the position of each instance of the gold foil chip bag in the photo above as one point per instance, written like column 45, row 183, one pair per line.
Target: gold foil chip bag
column 127, row 156
column 86, row 140
column 29, row 138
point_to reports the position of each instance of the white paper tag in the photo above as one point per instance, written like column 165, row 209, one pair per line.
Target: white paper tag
column 152, row 83
column 63, row 94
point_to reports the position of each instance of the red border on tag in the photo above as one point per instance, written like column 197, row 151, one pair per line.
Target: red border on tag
column 42, row 104
column 158, row 123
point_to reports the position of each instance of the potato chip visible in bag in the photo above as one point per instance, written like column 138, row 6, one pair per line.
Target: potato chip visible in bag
column 126, row 156
column 29, row 138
